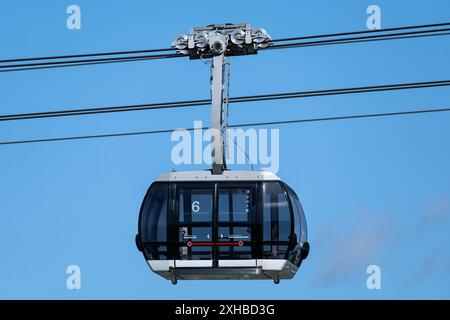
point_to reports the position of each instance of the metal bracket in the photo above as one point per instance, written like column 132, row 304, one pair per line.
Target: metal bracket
column 217, row 81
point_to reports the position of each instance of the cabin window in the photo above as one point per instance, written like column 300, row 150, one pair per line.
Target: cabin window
column 193, row 221
column 154, row 220
column 276, row 221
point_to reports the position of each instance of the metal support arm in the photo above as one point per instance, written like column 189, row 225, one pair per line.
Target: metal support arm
column 217, row 143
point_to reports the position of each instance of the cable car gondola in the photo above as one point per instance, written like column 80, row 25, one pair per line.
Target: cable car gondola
column 236, row 225
column 222, row 224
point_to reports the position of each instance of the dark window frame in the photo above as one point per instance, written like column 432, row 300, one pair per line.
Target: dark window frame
column 173, row 245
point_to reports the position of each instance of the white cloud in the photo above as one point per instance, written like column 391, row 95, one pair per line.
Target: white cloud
column 436, row 213
column 430, row 265
column 346, row 253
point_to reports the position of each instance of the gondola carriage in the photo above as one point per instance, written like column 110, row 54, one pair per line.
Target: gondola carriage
column 237, row 225
column 222, row 224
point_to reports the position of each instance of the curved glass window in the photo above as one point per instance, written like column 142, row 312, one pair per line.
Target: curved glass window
column 154, row 214
column 153, row 224
column 299, row 218
column 276, row 221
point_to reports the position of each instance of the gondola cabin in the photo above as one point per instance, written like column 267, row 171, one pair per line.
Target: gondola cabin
column 235, row 225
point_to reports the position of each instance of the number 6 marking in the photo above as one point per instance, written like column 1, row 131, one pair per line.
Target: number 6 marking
column 195, row 206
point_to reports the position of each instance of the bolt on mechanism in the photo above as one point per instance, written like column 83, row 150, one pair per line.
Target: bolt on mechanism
column 229, row 39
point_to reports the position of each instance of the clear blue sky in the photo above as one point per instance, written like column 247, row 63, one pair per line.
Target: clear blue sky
column 375, row 191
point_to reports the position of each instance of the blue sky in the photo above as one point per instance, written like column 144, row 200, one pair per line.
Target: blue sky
column 375, row 191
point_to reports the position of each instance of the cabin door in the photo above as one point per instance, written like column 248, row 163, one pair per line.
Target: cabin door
column 234, row 226
column 216, row 224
